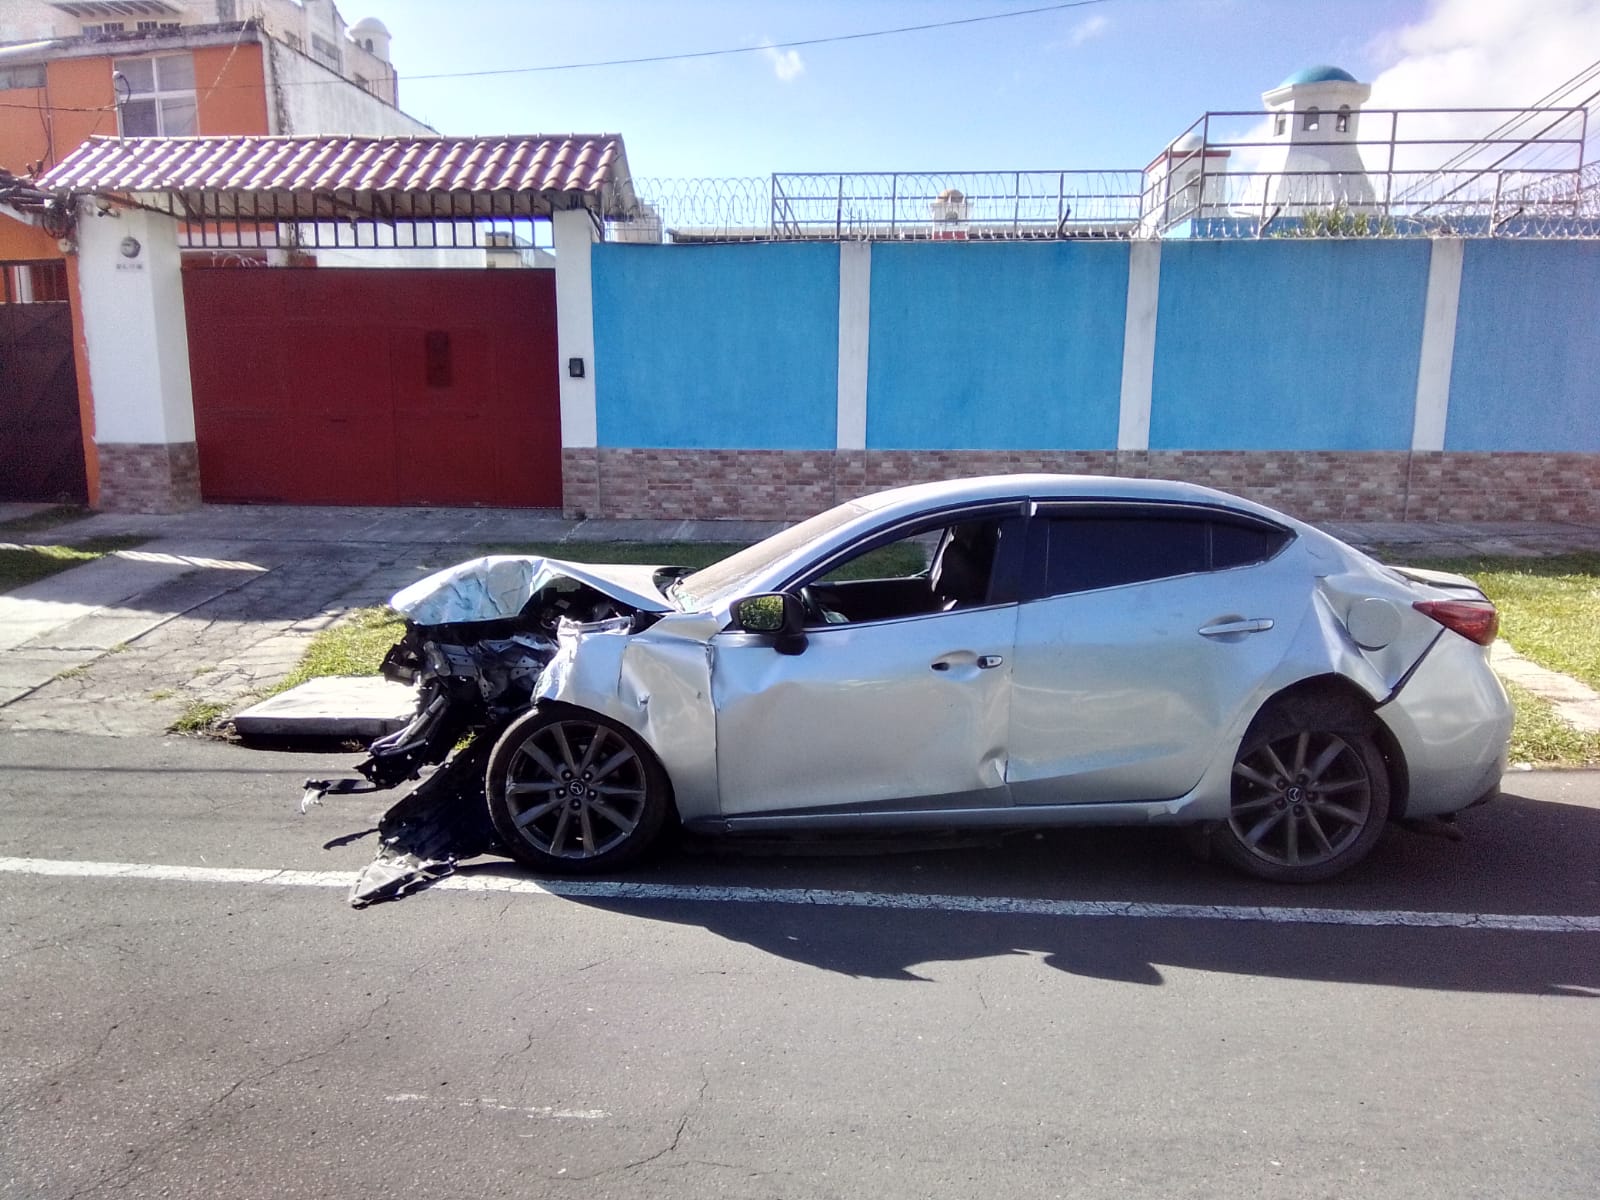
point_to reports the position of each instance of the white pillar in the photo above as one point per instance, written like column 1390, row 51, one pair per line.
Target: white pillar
column 130, row 278
column 128, row 270
column 855, row 324
column 573, row 234
column 1438, row 344
column 1139, row 344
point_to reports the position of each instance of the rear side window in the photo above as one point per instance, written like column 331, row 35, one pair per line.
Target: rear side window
column 1091, row 551
column 1240, row 545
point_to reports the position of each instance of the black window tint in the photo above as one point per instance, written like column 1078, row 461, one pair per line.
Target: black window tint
column 1238, row 545
column 1099, row 552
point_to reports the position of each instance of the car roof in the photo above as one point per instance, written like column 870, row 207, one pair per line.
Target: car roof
column 919, row 496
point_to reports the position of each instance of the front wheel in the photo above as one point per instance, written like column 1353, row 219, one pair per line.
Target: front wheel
column 1310, row 797
column 574, row 793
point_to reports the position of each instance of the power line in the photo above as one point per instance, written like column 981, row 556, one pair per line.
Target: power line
column 794, row 45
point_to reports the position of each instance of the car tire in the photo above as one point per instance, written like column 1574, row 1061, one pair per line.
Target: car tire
column 573, row 793
column 1310, row 793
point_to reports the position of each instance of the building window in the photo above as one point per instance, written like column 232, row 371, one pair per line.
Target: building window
column 158, row 99
column 1313, row 118
column 1277, row 125
column 1343, row 123
column 326, row 53
column 21, row 77
column 104, row 28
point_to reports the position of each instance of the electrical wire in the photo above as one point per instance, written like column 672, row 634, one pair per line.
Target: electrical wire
column 794, row 45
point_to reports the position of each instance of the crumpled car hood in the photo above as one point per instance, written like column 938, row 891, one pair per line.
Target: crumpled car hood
column 497, row 586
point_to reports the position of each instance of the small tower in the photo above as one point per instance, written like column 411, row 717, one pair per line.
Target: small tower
column 1175, row 179
column 372, row 36
column 1315, row 158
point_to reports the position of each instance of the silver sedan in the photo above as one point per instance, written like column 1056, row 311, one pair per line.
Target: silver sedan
column 997, row 653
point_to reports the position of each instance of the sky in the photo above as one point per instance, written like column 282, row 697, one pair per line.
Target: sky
column 1101, row 86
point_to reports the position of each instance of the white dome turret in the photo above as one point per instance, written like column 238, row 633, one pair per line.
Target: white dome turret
column 372, row 36
column 1316, row 120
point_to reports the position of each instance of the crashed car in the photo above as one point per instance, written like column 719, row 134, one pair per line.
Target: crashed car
column 1034, row 650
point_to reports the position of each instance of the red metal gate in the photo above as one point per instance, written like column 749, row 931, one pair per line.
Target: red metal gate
column 41, row 434
column 381, row 386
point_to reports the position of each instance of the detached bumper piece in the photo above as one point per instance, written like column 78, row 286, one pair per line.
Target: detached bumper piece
column 444, row 819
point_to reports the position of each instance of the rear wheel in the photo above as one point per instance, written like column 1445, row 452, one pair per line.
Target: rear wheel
column 1310, row 795
column 573, row 793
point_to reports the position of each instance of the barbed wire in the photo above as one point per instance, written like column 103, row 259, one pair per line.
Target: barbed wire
column 1128, row 204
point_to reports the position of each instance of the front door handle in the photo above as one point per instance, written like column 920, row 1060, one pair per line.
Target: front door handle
column 984, row 662
column 1223, row 628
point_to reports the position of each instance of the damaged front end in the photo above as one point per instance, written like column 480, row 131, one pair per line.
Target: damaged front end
column 478, row 639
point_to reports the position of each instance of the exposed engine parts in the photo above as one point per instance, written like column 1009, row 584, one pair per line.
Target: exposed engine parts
column 473, row 677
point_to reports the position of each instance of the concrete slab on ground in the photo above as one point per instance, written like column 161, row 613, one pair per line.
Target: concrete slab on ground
column 336, row 706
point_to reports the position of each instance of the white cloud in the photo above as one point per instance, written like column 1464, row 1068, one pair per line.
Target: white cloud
column 1472, row 54
column 1087, row 30
column 787, row 65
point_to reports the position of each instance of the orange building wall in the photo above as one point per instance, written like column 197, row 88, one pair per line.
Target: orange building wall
column 232, row 87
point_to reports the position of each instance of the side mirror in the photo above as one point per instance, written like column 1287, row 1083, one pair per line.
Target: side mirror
column 776, row 614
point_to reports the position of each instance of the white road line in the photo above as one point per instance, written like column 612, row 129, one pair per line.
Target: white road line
column 578, row 889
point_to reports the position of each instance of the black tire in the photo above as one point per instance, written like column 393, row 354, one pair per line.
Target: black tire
column 1310, row 793
column 573, row 793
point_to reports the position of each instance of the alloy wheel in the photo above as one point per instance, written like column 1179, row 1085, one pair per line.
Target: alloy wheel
column 1301, row 800
column 575, row 789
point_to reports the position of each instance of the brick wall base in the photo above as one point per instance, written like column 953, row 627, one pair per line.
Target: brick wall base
column 149, row 478
column 785, row 485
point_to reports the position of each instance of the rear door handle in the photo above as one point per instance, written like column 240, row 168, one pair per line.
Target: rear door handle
column 1223, row 628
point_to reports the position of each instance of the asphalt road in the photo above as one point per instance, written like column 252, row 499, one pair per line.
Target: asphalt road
column 195, row 1035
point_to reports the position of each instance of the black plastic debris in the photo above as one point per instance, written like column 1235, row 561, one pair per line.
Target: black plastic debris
column 441, row 821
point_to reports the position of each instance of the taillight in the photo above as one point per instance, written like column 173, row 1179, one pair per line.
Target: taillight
column 1475, row 620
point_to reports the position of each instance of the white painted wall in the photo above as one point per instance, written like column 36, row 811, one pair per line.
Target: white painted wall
column 574, row 236
column 312, row 100
column 133, row 323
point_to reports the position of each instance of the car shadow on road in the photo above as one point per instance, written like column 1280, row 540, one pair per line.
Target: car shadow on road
column 1521, row 857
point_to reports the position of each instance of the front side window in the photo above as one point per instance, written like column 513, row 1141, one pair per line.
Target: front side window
column 1343, row 123
column 935, row 566
column 157, row 99
column 1313, row 118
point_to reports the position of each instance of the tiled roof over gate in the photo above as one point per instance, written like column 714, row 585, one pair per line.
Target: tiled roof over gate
column 586, row 166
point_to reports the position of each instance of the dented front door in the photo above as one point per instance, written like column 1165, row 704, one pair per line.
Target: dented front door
column 874, row 715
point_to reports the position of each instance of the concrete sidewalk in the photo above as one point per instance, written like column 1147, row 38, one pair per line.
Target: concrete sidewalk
column 220, row 603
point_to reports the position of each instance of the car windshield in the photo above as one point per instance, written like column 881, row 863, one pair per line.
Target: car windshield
column 731, row 575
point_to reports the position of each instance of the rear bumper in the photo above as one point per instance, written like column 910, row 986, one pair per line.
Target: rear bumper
column 1452, row 721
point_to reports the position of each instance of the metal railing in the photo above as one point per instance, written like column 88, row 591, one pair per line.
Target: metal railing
column 1375, row 173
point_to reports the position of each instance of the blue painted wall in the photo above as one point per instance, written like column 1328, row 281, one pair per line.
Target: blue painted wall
column 717, row 347
column 1526, row 371
column 1288, row 345
column 1012, row 346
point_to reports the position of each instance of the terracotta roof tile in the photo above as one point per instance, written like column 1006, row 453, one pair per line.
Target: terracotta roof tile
column 577, row 163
